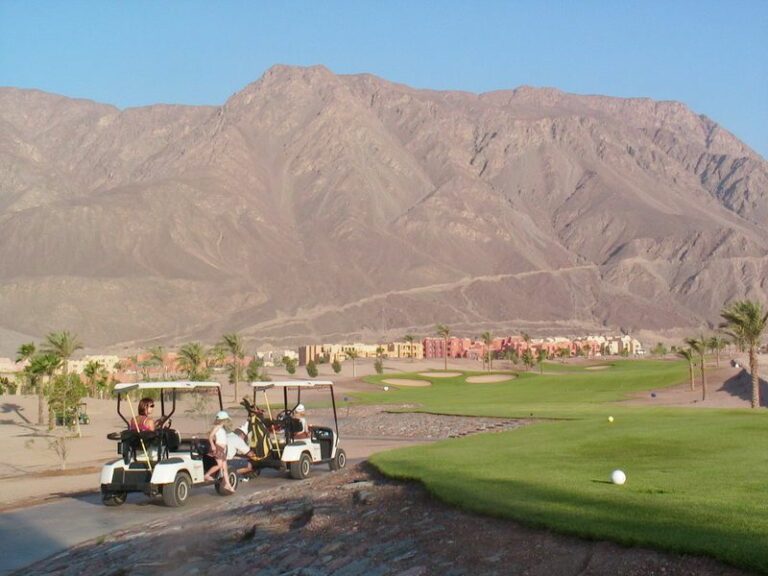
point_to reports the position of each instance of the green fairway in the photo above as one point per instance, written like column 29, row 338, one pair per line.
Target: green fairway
column 696, row 479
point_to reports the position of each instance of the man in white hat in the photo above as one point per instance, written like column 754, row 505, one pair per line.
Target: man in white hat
column 237, row 445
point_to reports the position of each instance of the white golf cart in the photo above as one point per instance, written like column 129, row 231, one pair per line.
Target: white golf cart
column 159, row 461
column 277, row 440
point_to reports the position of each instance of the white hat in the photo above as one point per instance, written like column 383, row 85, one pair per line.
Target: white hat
column 300, row 408
column 244, row 428
column 222, row 415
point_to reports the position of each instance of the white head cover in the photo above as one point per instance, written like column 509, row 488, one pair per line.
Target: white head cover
column 300, row 408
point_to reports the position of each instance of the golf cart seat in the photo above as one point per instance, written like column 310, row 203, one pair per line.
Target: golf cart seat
column 323, row 436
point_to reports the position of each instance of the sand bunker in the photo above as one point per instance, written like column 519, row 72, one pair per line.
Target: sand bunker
column 490, row 378
column 597, row 368
column 406, row 382
column 440, row 374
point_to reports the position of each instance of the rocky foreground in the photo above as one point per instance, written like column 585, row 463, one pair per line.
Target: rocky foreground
column 356, row 522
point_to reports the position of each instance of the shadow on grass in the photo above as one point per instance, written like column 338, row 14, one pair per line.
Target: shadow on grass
column 740, row 385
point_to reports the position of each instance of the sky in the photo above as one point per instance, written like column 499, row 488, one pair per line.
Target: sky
column 710, row 55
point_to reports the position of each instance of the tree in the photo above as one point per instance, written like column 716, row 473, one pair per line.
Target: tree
column 378, row 365
column 311, row 369
column 290, row 364
column 157, row 358
column 234, row 343
column 527, row 359
column 659, row 349
column 487, row 339
column 336, row 365
column 687, row 353
column 745, row 322
column 444, row 332
column 352, row 355
column 25, row 352
column 409, row 338
column 541, row 355
column 192, row 361
column 716, row 344
column 91, row 372
column 62, row 345
column 40, row 368
column 699, row 346
column 254, row 371
column 64, row 395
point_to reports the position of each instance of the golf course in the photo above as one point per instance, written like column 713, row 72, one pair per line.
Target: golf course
column 696, row 478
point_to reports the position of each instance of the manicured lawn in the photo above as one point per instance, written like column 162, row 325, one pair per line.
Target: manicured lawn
column 697, row 479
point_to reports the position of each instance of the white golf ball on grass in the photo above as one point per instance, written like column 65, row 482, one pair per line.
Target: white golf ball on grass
column 618, row 477
column 386, row 388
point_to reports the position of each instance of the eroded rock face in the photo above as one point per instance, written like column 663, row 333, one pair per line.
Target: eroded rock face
column 315, row 206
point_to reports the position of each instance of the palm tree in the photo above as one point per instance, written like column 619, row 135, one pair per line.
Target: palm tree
column 234, row 343
column 352, row 355
column 62, row 345
column 541, row 355
column 716, row 344
column 487, row 339
column 409, row 338
column 687, row 353
column 91, row 371
column 157, row 358
column 25, row 351
column 745, row 322
column 444, row 332
column 42, row 366
column 699, row 346
column 192, row 361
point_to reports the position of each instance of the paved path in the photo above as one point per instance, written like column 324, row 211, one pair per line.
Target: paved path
column 36, row 532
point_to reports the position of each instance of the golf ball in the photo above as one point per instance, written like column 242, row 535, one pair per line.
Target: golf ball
column 618, row 477
column 386, row 388
column 610, row 418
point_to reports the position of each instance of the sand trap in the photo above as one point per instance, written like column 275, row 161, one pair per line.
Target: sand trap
column 490, row 378
column 440, row 374
column 597, row 368
column 406, row 382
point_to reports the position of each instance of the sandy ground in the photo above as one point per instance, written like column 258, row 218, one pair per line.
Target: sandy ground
column 406, row 382
column 32, row 468
column 489, row 378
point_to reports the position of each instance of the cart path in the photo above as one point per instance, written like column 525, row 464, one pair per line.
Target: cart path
column 33, row 533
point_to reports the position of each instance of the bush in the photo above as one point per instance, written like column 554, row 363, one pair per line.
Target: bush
column 311, row 369
column 336, row 365
column 378, row 365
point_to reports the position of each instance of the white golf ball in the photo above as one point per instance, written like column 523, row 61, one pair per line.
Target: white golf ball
column 610, row 418
column 618, row 477
column 386, row 388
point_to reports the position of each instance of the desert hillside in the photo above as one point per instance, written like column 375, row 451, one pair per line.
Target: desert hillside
column 318, row 207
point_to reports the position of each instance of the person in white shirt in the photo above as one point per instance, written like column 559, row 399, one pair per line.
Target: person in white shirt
column 237, row 445
column 218, row 440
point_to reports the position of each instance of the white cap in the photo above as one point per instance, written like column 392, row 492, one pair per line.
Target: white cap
column 300, row 408
column 244, row 428
column 222, row 415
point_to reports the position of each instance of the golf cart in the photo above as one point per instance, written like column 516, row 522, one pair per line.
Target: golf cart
column 276, row 438
column 158, row 461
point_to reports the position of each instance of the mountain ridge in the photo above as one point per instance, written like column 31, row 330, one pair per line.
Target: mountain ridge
column 351, row 196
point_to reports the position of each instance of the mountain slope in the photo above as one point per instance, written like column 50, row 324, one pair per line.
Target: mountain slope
column 313, row 206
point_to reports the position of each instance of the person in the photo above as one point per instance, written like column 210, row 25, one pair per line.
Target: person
column 237, row 445
column 144, row 421
column 300, row 416
column 218, row 440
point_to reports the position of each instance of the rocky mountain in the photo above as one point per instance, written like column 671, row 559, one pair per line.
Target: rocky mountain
column 317, row 207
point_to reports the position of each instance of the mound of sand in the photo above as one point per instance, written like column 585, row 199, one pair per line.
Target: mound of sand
column 597, row 368
column 490, row 378
column 439, row 374
column 406, row 382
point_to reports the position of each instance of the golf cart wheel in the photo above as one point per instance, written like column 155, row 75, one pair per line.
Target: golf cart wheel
column 300, row 469
column 233, row 480
column 177, row 493
column 113, row 498
column 339, row 461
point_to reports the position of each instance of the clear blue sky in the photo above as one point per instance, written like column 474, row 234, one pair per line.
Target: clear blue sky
column 710, row 54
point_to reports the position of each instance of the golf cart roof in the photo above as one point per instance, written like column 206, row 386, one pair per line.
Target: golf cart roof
column 291, row 384
column 180, row 385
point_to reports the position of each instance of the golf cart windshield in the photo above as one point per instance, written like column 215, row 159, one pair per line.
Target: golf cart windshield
column 124, row 389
